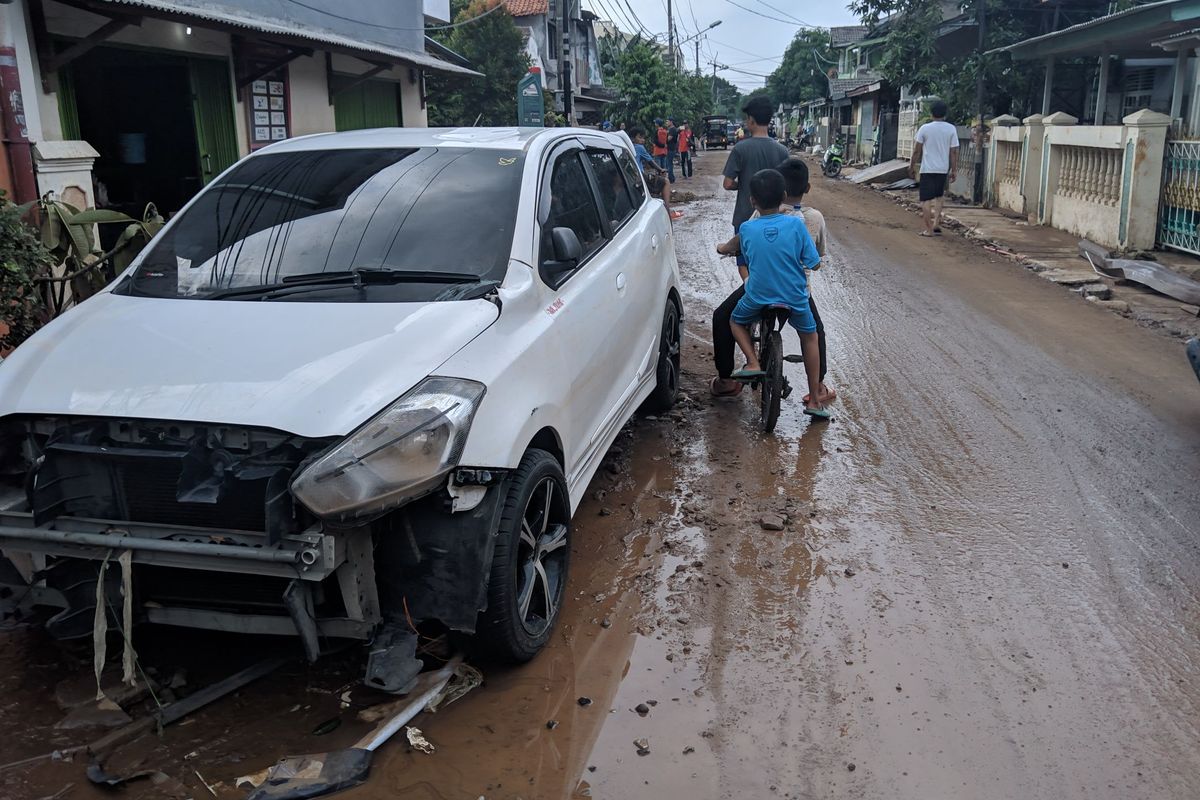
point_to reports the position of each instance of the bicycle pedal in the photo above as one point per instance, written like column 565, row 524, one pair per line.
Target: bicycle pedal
column 794, row 359
column 787, row 391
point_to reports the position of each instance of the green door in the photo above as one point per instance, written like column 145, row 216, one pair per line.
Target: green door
column 372, row 104
column 212, row 104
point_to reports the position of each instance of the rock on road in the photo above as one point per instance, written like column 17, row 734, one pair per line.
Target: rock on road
column 986, row 585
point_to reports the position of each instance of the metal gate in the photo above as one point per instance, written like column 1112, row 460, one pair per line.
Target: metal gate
column 907, row 130
column 1179, row 214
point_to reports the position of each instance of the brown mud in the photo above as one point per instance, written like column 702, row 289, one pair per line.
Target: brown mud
column 986, row 586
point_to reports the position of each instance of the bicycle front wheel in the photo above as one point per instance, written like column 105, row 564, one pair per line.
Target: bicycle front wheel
column 772, row 383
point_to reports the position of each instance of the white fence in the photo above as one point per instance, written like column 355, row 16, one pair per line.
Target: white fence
column 1100, row 182
column 906, row 131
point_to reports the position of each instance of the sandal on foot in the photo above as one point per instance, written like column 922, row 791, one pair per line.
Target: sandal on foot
column 925, row 233
column 747, row 374
column 819, row 412
column 715, row 392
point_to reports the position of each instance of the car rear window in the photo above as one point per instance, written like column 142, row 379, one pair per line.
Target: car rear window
column 281, row 215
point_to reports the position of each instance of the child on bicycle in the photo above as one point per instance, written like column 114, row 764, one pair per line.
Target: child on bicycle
column 795, row 176
column 779, row 250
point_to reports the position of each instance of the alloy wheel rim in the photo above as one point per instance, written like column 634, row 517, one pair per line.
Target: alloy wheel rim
column 541, row 559
column 671, row 339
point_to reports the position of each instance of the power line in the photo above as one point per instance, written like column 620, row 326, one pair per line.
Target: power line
column 492, row 10
column 785, row 13
column 764, row 16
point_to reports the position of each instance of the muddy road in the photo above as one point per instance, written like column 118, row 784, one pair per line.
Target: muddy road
column 986, row 587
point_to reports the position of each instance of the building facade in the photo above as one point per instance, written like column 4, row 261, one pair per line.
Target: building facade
column 541, row 21
column 158, row 97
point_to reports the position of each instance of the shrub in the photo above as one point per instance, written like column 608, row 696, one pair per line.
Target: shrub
column 23, row 259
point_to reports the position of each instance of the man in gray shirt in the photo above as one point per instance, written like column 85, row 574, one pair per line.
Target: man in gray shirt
column 756, row 152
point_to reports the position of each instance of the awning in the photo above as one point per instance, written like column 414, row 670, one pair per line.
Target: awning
column 227, row 17
column 1126, row 34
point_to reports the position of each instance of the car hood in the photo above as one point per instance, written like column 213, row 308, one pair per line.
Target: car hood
column 312, row 369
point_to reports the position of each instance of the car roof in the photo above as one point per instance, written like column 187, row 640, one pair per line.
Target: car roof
column 475, row 138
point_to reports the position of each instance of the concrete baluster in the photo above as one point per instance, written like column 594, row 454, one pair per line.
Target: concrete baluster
column 1145, row 141
column 1051, row 159
column 1033, row 135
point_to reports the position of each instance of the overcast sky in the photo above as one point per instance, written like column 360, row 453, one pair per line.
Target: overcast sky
column 744, row 40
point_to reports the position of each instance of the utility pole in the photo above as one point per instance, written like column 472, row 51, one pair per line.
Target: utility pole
column 697, row 57
column 671, row 35
column 977, row 190
column 564, row 72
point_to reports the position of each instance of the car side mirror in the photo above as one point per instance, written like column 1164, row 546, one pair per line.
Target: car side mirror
column 568, row 252
column 566, row 246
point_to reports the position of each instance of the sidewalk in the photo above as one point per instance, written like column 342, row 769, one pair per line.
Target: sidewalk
column 1054, row 255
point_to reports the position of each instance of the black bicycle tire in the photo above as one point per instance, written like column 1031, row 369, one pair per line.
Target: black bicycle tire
column 772, row 365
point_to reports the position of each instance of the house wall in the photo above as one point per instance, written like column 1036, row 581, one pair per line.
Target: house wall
column 311, row 109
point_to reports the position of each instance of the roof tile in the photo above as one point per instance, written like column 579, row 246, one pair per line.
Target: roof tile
column 525, row 8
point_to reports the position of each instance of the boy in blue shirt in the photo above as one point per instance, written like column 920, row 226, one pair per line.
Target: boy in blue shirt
column 779, row 249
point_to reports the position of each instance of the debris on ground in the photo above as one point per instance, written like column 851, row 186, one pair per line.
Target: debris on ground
column 320, row 774
column 771, row 522
column 417, row 740
column 642, row 709
column 643, row 746
column 1161, row 279
column 584, row 701
column 328, row 726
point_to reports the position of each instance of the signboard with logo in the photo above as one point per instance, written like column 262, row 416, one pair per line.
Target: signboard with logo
column 530, row 105
column 270, row 117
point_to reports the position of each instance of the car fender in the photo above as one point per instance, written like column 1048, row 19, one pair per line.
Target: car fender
column 514, row 361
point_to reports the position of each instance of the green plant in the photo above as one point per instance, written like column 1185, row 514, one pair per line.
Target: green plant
column 23, row 260
column 69, row 235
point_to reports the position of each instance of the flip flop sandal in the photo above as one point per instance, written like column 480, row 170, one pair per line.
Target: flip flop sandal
column 818, row 412
column 926, row 234
column 712, row 389
column 747, row 374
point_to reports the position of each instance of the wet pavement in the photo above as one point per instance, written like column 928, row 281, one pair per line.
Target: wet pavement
column 986, row 586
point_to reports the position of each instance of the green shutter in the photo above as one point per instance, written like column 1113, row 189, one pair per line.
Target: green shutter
column 373, row 104
column 68, row 110
column 212, row 105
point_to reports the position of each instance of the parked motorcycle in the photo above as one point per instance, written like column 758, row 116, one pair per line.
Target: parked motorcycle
column 831, row 162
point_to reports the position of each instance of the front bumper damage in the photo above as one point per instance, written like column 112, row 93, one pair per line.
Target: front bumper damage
column 217, row 543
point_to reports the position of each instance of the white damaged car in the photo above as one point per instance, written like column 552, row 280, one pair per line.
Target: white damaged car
column 361, row 380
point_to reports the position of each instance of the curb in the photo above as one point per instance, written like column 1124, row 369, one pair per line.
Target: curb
column 1083, row 282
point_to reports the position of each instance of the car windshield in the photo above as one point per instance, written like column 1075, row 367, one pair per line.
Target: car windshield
column 315, row 222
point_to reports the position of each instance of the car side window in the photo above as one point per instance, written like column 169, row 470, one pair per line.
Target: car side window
column 633, row 177
column 614, row 197
column 573, row 206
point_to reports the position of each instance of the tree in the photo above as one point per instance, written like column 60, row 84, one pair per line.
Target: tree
column 800, row 75
column 911, row 57
column 494, row 46
column 644, row 84
column 726, row 97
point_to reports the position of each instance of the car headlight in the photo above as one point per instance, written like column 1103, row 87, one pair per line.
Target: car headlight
column 397, row 456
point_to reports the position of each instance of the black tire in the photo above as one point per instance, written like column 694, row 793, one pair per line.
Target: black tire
column 772, row 383
column 533, row 528
column 833, row 170
column 666, row 388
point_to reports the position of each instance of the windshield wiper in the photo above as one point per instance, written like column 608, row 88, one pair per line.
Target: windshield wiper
column 295, row 284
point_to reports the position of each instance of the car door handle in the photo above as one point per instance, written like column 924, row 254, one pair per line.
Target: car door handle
column 621, row 282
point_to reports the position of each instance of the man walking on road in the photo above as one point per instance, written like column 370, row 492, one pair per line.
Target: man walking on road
column 935, row 153
column 685, row 150
column 756, row 152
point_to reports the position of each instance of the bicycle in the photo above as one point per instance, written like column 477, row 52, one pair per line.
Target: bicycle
column 773, row 385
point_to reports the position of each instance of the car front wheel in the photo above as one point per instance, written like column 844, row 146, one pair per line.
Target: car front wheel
column 529, row 567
